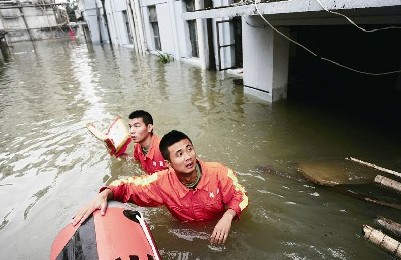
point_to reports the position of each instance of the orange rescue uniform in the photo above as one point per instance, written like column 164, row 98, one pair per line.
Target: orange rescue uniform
column 153, row 161
column 217, row 191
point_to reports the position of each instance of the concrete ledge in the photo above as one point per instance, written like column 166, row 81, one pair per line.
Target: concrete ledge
column 192, row 61
column 290, row 6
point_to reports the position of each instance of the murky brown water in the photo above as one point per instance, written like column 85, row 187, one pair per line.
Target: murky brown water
column 50, row 165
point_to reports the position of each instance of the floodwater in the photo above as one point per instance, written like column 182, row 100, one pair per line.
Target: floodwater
column 50, row 165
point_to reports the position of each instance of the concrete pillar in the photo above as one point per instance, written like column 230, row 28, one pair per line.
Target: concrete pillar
column 202, row 37
column 177, row 52
column 139, row 26
column 265, row 60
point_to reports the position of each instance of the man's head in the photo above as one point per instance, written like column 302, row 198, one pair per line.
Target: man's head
column 178, row 151
column 140, row 125
column 146, row 117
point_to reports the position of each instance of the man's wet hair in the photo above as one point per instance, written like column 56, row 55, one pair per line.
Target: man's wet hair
column 168, row 140
column 146, row 117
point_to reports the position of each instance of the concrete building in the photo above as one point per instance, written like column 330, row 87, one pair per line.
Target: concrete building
column 265, row 26
column 258, row 39
column 33, row 20
column 93, row 12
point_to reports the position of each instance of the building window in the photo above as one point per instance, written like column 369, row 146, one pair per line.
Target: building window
column 190, row 4
column 193, row 33
column 193, row 37
column 155, row 27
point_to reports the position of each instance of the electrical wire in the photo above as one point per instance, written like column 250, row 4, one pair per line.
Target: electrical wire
column 353, row 23
column 256, row 2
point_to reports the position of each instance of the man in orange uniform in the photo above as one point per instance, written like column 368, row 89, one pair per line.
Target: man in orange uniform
column 191, row 189
column 146, row 149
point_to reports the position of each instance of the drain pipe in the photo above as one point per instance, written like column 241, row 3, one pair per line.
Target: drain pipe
column 136, row 29
column 105, row 20
column 114, row 23
column 99, row 22
column 132, row 25
column 140, row 26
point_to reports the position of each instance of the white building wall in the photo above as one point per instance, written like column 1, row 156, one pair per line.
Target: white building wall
column 148, row 34
column 265, row 58
column 258, row 63
column 94, row 26
column 182, row 31
column 184, row 39
column 174, row 7
column 173, row 30
column 92, row 10
column 165, row 21
column 167, row 25
column 117, row 26
column 281, row 50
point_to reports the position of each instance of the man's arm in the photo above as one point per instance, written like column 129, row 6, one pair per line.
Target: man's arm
column 234, row 197
column 234, row 194
column 99, row 202
column 222, row 228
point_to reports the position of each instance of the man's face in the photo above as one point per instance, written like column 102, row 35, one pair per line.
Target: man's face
column 182, row 157
column 138, row 130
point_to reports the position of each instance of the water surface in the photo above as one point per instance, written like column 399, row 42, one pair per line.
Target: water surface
column 51, row 165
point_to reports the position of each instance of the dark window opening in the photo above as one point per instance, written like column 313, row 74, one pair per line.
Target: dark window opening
column 193, row 37
column 155, row 27
column 237, row 23
column 193, row 33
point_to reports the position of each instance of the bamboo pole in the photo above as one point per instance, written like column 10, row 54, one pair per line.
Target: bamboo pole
column 21, row 9
column 389, row 183
column 375, row 166
column 389, row 225
column 386, row 242
column 364, row 198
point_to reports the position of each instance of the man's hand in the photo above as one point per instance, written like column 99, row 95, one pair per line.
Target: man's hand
column 222, row 228
column 100, row 202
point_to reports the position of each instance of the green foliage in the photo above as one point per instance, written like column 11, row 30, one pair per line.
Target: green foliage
column 164, row 57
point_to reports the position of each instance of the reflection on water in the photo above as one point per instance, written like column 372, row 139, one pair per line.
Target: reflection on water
column 50, row 165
